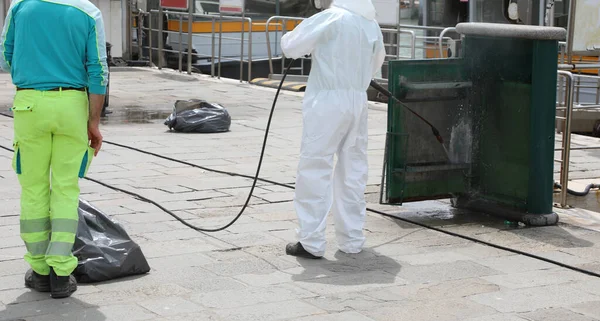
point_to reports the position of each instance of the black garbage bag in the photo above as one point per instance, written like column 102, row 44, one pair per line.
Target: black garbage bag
column 104, row 249
column 198, row 116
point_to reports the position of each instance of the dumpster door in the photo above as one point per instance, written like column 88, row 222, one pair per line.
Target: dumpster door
column 416, row 166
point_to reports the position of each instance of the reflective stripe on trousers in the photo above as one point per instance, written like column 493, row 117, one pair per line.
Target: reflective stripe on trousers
column 51, row 149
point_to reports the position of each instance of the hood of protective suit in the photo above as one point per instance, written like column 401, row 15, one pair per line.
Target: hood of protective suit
column 364, row 8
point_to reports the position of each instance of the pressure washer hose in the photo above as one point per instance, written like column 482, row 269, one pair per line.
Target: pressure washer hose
column 256, row 178
column 586, row 190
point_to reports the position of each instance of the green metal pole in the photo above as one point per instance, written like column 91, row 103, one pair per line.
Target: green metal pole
column 543, row 113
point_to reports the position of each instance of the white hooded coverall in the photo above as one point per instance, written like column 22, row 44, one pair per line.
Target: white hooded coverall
column 347, row 50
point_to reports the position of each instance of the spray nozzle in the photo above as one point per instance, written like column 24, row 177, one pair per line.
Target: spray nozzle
column 437, row 135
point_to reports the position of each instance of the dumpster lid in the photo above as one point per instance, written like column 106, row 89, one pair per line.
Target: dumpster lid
column 511, row 31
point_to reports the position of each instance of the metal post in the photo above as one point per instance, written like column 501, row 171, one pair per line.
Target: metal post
column 127, row 22
column 140, row 33
column 563, row 49
column 269, row 53
column 598, row 89
column 180, row 40
column 277, row 13
column 160, row 36
column 190, row 35
column 542, row 12
column 570, row 30
column 150, row 49
column 283, row 32
column 578, row 86
column 551, row 15
column 398, row 15
column 250, row 50
column 220, row 41
column 242, row 47
column 212, row 50
column 564, row 171
column 471, row 11
column 413, row 44
column 398, row 45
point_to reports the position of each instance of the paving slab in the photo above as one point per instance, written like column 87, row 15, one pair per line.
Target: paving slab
column 447, row 309
column 556, row 314
column 531, row 299
column 286, row 310
column 406, row 272
column 251, row 296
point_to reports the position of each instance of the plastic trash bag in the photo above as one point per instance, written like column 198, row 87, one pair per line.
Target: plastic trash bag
column 104, row 249
column 198, row 116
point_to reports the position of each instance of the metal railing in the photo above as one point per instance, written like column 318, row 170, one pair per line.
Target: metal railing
column 215, row 20
column 438, row 40
column 441, row 39
column 283, row 24
column 416, row 27
column 569, row 103
column 142, row 29
column 398, row 33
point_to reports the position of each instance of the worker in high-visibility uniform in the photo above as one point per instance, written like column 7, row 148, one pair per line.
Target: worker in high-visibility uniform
column 347, row 50
column 56, row 54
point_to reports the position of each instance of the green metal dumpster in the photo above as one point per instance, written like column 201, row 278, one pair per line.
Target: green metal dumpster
column 495, row 108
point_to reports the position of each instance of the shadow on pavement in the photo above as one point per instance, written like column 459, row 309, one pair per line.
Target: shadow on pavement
column 35, row 306
column 367, row 267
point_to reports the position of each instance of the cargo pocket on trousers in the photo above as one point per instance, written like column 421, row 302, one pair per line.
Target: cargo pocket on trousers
column 16, row 163
column 22, row 105
column 86, row 161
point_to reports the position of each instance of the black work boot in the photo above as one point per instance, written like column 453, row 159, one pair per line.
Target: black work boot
column 298, row 250
column 61, row 286
column 38, row 282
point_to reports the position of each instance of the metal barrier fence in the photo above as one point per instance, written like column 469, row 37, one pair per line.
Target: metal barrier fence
column 569, row 91
column 215, row 20
column 566, row 137
column 396, row 33
column 143, row 29
column 283, row 24
column 569, row 104
column 397, row 45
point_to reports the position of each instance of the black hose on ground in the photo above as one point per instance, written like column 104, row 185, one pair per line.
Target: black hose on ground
column 585, row 192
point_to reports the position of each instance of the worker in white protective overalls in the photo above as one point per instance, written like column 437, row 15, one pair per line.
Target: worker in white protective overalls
column 347, row 50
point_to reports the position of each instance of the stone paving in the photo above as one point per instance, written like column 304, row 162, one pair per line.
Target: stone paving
column 406, row 272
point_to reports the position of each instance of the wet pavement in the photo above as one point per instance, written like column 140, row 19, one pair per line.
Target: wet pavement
column 406, row 272
column 135, row 115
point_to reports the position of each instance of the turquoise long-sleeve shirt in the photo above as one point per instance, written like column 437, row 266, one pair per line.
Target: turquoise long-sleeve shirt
column 47, row 44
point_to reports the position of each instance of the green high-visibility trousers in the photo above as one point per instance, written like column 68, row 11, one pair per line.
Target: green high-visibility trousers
column 51, row 154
